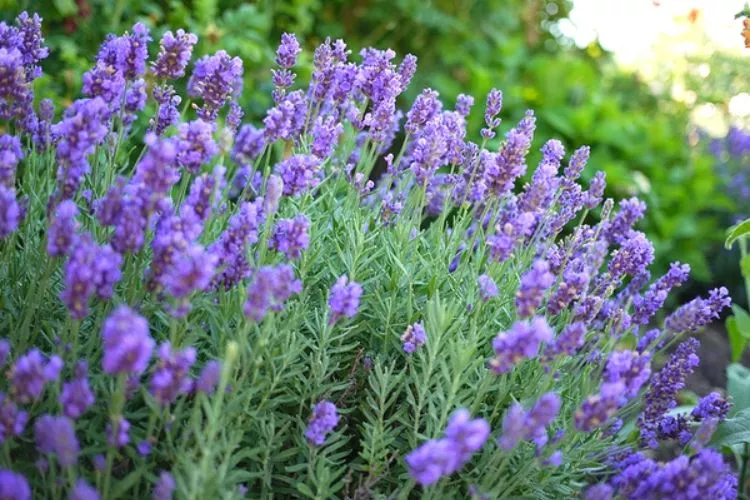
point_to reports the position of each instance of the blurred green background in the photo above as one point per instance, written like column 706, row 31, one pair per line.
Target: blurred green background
column 645, row 139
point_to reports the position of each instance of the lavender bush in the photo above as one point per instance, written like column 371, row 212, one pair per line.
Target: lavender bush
column 198, row 307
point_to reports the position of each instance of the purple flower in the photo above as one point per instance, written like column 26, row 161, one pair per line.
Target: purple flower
column 601, row 491
column 664, row 386
column 432, row 460
column 633, row 257
column 413, row 337
column 15, row 92
column 84, row 491
column 539, row 194
column 569, row 341
column 493, row 106
column 469, row 435
column 171, row 377
column 287, row 119
column 647, row 305
column 106, row 82
column 325, row 133
column 270, row 289
column 533, row 285
column 62, row 232
column 84, row 126
column 127, row 53
column 118, row 432
column 196, row 145
column 204, row 194
column 135, row 101
column 519, row 425
column 712, row 406
column 12, row 420
column 209, row 377
column 176, row 259
column 164, row 487
column 10, row 212
column 191, row 271
column 620, row 227
column 487, row 287
column 464, row 104
column 90, row 269
column 323, row 420
column 76, row 396
column 56, row 436
column 234, row 117
column 596, row 190
column 699, row 312
column 126, row 341
column 577, row 163
column 300, row 173
column 290, row 236
column 144, row 448
column 215, row 79
column 344, row 299
column 289, row 49
column 274, row 190
column 627, row 371
column 521, row 341
column 4, row 351
column 231, row 247
column 705, row 476
column 42, row 136
column 175, row 51
column 10, row 154
column 426, row 106
column 168, row 112
column 31, row 43
column 248, row 145
column 30, row 373
column 14, row 486
column 500, row 170
column 571, row 287
column 407, row 69
column 509, row 234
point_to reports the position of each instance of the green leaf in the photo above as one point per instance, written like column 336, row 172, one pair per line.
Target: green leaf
column 745, row 266
column 65, row 7
column 733, row 430
column 738, row 386
column 736, row 340
column 737, row 231
column 127, row 483
column 305, row 490
column 743, row 321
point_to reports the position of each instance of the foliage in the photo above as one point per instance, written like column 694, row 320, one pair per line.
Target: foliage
column 637, row 138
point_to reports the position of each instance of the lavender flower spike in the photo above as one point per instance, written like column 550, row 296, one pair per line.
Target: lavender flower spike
column 322, row 421
column 521, row 341
column 344, row 299
column 127, row 343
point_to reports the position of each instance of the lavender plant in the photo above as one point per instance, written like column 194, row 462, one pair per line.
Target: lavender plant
column 193, row 306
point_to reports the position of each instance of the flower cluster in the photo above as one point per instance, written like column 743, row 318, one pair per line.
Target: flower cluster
column 434, row 459
column 128, row 262
column 521, row 341
column 323, row 420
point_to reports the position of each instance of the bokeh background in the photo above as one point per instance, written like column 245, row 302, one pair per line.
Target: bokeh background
column 658, row 89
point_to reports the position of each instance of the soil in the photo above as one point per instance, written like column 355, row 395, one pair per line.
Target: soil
column 715, row 356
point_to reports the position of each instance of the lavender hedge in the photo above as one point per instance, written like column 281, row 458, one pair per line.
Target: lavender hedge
column 198, row 307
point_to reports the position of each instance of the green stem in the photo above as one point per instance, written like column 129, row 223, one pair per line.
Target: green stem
column 743, row 471
column 115, row 415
